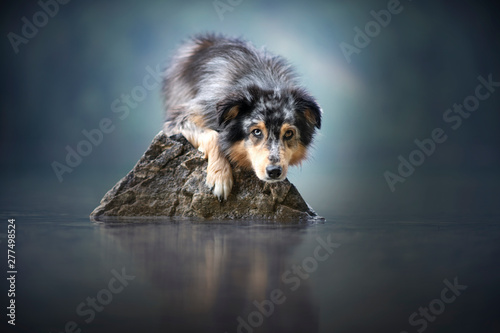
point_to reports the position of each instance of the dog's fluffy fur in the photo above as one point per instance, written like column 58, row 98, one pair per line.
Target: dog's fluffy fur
column 240, row 106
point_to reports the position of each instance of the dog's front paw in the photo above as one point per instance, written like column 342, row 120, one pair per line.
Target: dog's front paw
column 220, row 178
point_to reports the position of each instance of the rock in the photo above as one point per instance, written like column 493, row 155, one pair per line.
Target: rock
column 169, row 181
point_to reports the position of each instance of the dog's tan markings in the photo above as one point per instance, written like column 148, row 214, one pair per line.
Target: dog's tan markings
column 293, row 152
column 255, row 151
column 260, row 126
column 239, row 155
column 288, row 127
column 310, row 117
column 232, row 113
column 298, row 155
column 198, row 120
column 192, row 127
column 259, row 156
column 219, row 173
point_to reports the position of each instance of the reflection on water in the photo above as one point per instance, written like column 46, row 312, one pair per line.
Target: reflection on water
column 346, row 275
column 205, row 276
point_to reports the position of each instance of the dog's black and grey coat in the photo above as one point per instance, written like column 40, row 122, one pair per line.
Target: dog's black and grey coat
column 217, row 89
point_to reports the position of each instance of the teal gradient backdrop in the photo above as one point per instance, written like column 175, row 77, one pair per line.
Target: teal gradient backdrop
column 376, row 102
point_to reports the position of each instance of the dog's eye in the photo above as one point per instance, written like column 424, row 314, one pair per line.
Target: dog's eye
column 288, row 135
column 257, row 132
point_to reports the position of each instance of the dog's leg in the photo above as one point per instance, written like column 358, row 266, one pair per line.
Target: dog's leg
column 192, row 127
column 219, row 172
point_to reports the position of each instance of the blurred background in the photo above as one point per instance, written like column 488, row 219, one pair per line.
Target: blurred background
column 65, row 68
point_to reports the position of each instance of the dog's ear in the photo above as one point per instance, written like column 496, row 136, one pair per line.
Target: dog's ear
column 309, row 108
column 228, row 109
column 227, row 113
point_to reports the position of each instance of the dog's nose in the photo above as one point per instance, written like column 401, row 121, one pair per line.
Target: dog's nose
column 273, row 171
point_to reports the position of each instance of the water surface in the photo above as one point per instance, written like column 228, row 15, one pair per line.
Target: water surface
column 345, row 275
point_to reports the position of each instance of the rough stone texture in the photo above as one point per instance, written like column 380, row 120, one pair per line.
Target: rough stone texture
column 169, row 180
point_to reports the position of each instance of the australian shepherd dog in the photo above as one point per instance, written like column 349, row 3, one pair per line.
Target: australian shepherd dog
column 241, row 107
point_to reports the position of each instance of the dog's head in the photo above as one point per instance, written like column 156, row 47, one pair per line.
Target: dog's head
column 268, row 130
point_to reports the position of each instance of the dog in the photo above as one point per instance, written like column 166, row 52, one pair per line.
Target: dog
column 240, row 106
